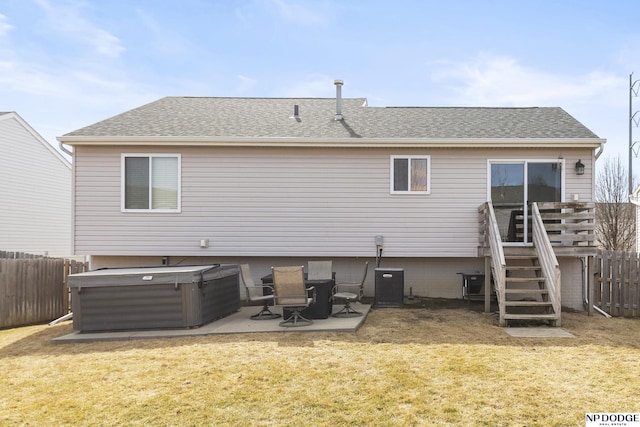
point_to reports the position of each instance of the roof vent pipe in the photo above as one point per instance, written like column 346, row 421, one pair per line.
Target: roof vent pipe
column 338, row 84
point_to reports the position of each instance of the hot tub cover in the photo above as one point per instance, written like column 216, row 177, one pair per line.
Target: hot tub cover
column 153, row 297
column 142, row 276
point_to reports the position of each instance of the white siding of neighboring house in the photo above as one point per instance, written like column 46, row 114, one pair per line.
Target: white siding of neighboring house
column 35, row 192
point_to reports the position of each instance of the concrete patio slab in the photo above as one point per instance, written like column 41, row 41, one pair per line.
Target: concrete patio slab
column 237, row 323
column 538, row 332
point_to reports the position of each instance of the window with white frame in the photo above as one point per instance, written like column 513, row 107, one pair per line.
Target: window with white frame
column 151, row 182
column 410, row 174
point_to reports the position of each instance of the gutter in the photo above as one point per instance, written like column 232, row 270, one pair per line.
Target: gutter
column 64, row 149
column 600, row 150
column 333, row 142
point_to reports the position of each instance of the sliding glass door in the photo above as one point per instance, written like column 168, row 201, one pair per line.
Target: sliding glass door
column 517, row 184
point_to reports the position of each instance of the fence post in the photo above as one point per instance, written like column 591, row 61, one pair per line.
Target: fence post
column 624, row 283
column 628, row 306
column 592, row 282
column 606, row 281
column 635, row 300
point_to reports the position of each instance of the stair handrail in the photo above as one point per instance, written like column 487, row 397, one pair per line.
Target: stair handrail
column 548, row 260
column 498, row 263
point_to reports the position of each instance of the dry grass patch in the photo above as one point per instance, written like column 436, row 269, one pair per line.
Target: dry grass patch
column 422, row 366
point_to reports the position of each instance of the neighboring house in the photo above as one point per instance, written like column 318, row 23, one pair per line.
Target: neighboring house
column 36, row 192
column 280, row 181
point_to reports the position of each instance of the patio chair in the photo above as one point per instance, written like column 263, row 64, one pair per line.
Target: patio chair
column 350, row 292
column 290, row 292
column 255, row 293
column 319, row 270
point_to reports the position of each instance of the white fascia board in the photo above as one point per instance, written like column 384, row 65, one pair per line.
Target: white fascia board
column 343, row 142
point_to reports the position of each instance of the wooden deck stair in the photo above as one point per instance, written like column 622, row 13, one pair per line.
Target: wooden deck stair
column 527, row 278
column 526, row 294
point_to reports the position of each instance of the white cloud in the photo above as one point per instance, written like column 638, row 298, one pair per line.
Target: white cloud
column 68, row 19
column 492, row 80
column 58, row 99
column 298, row 13
column 5, row 27
column 162, row 38
column 30, row 79
column 104, row 42
column 597, row 99
column 627, row 55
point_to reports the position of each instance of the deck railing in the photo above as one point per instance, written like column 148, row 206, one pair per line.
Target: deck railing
column 570, row 227
column 548, row 261
column 498, row 263
column 569, row 223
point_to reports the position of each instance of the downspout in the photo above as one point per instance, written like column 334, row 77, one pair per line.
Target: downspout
column 64, row 149
column 600, row 151
column 585, row 273
column 585, row 283
column 604, row 313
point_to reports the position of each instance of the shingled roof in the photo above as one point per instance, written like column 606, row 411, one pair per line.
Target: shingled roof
column 207, row 117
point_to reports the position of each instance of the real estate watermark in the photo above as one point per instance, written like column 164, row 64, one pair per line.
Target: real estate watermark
column 611, row 419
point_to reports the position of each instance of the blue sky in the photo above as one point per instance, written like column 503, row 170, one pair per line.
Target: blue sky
column 65, row 64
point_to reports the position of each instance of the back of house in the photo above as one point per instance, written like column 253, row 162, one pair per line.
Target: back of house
column 280, row 181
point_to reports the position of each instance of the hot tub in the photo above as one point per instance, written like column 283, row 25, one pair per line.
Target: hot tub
column 153, row 297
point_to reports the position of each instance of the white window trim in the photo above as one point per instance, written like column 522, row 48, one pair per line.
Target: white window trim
column 409, row 157
column 150, row 156
column 524, row 162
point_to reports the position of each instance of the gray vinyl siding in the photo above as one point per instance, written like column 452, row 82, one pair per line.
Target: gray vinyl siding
column 35, row 192
column 306, row 202
column 581, row 185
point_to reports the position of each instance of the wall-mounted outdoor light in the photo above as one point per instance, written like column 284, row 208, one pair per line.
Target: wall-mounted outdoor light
column 579, row 168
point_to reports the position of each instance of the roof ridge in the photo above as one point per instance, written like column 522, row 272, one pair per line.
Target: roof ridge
column 262, row 97
column 469, row 108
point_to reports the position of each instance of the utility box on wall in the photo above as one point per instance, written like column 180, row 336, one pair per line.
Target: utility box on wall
column 389, row 287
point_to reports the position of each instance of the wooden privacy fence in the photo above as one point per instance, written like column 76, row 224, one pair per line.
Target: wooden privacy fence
column 617, row 283
column 33, row 288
